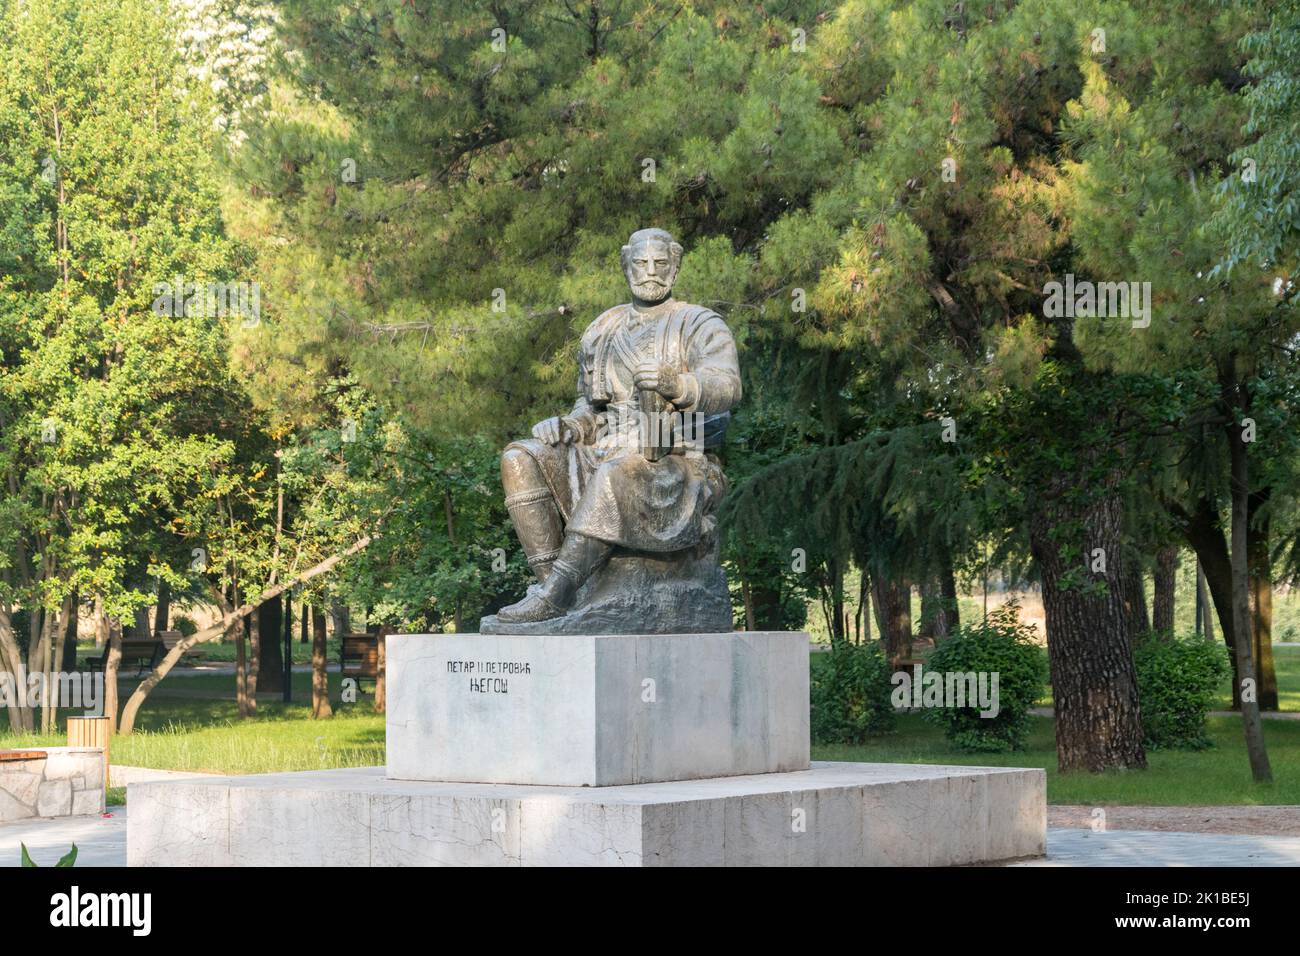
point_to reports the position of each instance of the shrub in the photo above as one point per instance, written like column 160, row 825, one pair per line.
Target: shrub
column 850, row 694
column 185, row 625
column 999, row 645
column 1177, row 684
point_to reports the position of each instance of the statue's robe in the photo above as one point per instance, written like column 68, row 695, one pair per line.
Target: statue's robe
column 602, row 483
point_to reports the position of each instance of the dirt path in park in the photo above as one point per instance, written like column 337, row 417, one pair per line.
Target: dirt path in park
column 1254, row 821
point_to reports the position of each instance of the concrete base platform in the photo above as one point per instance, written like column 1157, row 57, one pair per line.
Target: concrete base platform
column 834, row 814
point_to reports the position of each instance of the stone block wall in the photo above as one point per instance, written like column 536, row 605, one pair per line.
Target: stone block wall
column 50, row 782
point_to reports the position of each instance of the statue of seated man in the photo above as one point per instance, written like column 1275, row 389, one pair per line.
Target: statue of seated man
column 614, row 475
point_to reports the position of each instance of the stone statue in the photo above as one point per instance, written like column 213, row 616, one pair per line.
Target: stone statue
column 615, row 502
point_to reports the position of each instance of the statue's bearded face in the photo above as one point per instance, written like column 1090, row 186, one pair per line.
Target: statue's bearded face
column 650, row 270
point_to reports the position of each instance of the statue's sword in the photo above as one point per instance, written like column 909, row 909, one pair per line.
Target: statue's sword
column 656, row 425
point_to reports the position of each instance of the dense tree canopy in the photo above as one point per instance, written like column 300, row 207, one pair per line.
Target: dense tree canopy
column 879, row 195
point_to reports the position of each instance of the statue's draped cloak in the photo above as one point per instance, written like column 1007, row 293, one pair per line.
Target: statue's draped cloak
column 603, row 485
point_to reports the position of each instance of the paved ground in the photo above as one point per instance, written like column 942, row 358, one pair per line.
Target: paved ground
column 1149, row 848
column 228, row 670
column 1241, row 821
column 102, row 842
column 1266, row 714
column 120, row 776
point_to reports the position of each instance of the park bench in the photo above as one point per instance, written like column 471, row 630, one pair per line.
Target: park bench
column 359, row 656
column 11, row 755
column 146, row 653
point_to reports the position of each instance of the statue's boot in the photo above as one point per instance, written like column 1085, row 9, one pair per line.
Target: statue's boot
column 579, row 557
column 539, row 527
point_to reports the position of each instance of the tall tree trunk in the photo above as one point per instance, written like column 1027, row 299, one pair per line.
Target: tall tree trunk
column 101, row 624
column 142, row 626
column 1166, row 579
column 320, row 686
column 47, row 671
column 893, row 616
column 70, row 636
column 242, row 699
column 864, row 607
column 839, row 632
column 1098, row 718
column 1236, row 400
column 111, row 667
column 54, row 631
column 939, row 603
column 253, row 667
column 950, row 617
column 930, row 609
column 270, row 667
column 767, row 604
column 340, row 618
column 35, row 646
column 164, row 609
column 1260, row 570
column 235, row 630
column 867, row 611
column 286, row 656
column 11, row 659
column 381, row 681
column 450, row 510
column 1204, row 608
column 1133, row 594
column 1204, row 533
column 59, row 628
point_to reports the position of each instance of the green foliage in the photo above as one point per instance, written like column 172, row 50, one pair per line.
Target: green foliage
column 1260, row 216
column 1177, row 684
column 998, row 645
column 67, row 860
column 119, row 418
column 850, row 693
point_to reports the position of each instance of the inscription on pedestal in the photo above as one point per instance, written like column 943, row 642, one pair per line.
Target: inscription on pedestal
column 490, row 676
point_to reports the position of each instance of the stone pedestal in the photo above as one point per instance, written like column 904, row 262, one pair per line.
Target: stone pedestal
column 833, row 814
column 596, row 710
column 605, row 750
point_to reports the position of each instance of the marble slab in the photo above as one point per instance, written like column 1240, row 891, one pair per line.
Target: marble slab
column 595, row 710
column 832, row 814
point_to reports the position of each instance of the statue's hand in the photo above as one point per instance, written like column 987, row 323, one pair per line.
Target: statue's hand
column 663, row 379
column 555, row 430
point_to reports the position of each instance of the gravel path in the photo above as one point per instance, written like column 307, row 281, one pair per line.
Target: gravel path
column 1245, row 821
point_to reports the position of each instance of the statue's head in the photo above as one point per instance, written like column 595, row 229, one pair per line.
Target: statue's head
column 651, row 259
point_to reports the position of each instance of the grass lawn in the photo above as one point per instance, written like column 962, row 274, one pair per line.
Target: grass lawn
column 223, row 652
column 1220, row 775
column 191, row 723
column 1286, row 664
column 181, row 730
